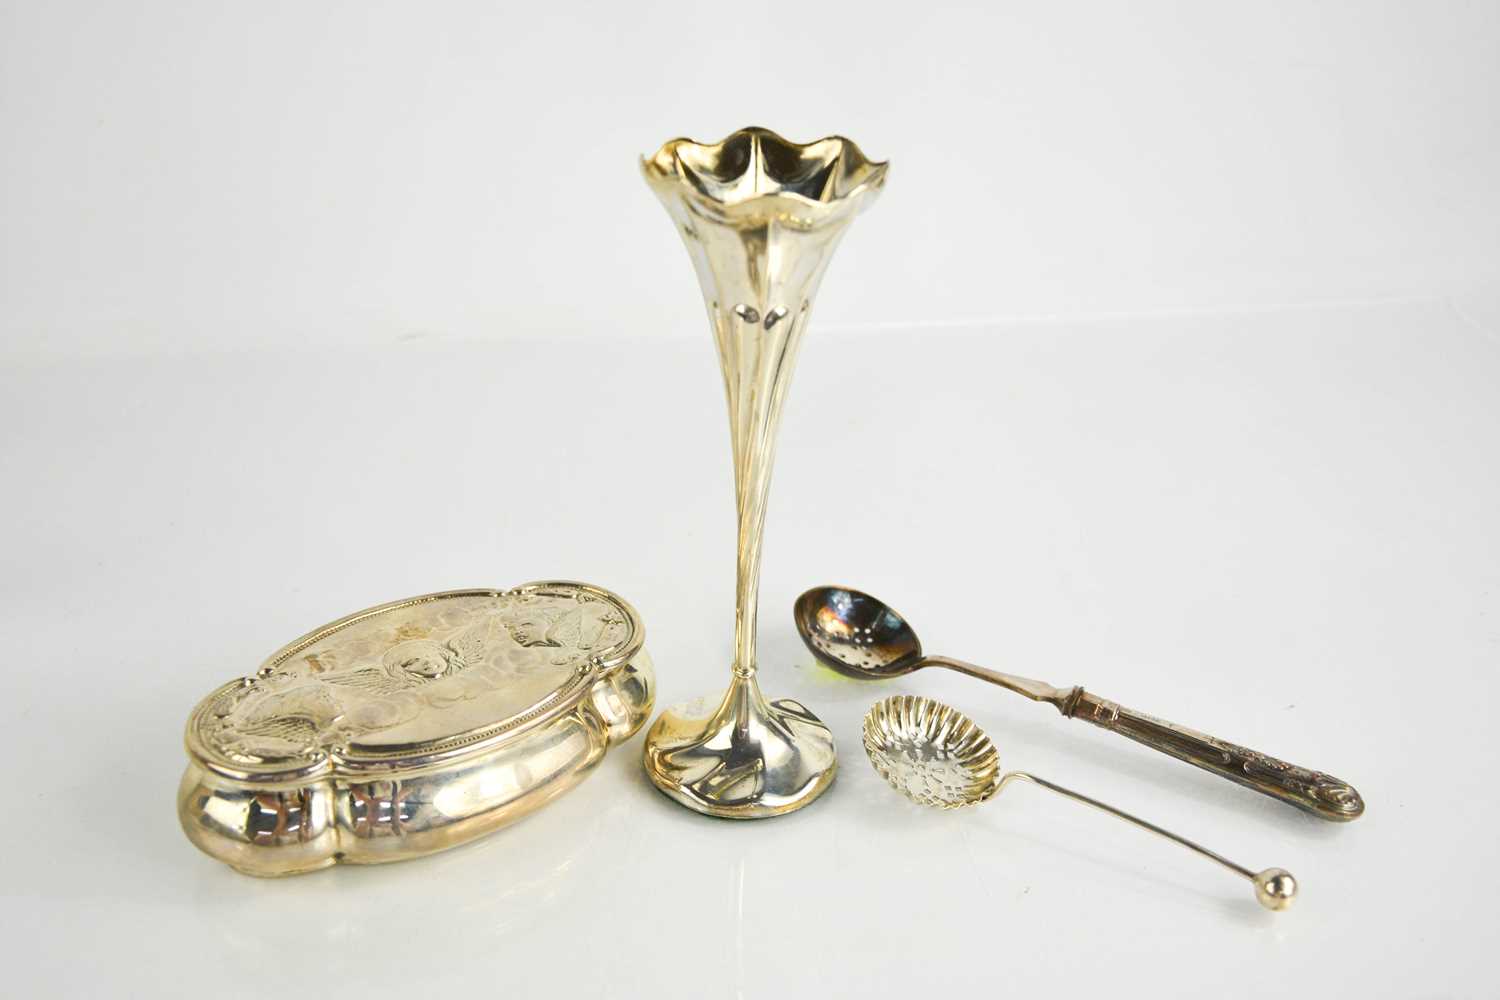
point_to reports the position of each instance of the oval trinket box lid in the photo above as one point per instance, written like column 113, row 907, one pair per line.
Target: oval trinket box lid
column 413, row 726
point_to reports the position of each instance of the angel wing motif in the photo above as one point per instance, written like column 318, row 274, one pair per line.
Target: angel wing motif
column 288, row 723
column 369, row 680
column 580, row 627
column 469, row 647
column 284, row 734
column 416, row 662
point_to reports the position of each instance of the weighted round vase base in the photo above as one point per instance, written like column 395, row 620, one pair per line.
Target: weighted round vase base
column 745, row 759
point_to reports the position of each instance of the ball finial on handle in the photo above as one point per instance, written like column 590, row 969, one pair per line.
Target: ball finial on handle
column 1275, row 888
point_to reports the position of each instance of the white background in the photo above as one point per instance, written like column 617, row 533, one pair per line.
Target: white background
column 1167, row 364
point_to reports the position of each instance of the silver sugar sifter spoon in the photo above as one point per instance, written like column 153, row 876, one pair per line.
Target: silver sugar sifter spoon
column 936, row 756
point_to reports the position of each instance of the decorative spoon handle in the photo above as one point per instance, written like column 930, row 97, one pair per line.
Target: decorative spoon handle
column 1313, row 791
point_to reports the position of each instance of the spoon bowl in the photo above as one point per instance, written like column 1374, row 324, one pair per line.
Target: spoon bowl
column 932, row 754
column 855, row 634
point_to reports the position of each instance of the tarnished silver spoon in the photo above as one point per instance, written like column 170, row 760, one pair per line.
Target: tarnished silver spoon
column 937, row 756
column 859, row 636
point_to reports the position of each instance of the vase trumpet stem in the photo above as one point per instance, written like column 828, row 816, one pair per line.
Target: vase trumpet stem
column 757, row 352
column 760, row 217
